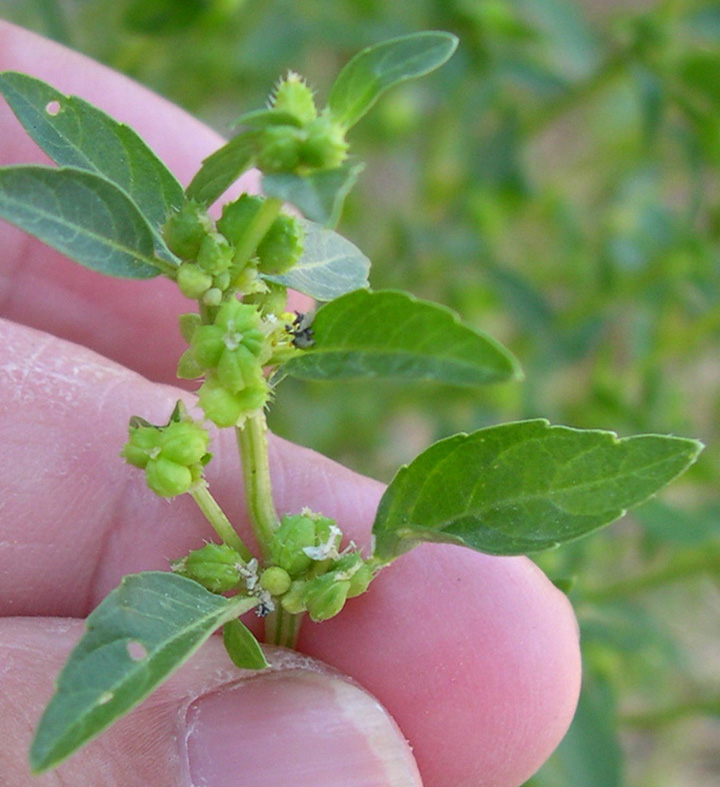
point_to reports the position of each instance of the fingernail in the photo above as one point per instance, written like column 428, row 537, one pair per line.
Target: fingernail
column 295, row 727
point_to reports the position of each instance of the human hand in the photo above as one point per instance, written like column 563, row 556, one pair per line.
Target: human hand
column 475, row 657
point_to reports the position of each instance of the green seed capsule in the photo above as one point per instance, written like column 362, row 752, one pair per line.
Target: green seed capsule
column 215, row 567
column 238, row 369
column 167, row 478
column 325, row 596
column 142, row 445
column 184, row 442
column 279, row 148
column 293, row 600
column 295, row 97
column 215, row 254
column 236, row 216
column 192, row 281
column 184, row 231
column 325, row 146
column 225, row 408
column 275, row 580
column 282, row 246
column 286, row 549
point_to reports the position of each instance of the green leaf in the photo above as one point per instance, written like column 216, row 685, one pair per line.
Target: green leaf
column 319, row 196
column 144, row 630
column 392, row 334
column 82, row 215
column 242, row 647
column 375, row 69
column 330, row 266
column 522, row 487
column 77, row 134
column 221, row 169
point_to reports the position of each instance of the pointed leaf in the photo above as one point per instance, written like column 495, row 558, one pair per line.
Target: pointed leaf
column 242, row 647
column 144, row 630
column 319, row 196
column 375, row 69
column 392, row 334
column 221, row 169
column 522, row 487
column 82, row 215
column 330, row 266
column 74, row 133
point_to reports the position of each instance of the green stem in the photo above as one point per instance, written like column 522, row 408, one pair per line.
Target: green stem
column 221, row 524
column 282, row 628
column 256, row 231
column 253, row 445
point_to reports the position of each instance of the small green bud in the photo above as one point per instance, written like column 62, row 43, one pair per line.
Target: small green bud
column 293, row 600
column 279, row 148
column 184, row 231
column 236, row 216
column 215, row 254
column 193, row 281
column 239, row 369
column 215, row 566
column 282, row 245
column 275, row 580
column 226, row 408
column 293, row 96
column 325, row 596
column 325, row 146
column 286, row 549
column 142, row 445
column 213, row 297
column 184, row 442
column 167, row 478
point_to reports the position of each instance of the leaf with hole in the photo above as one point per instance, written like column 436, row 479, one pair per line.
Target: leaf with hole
column 376, row 69
column 138, row 635
column 82, row 215
column 394, row 335
column 523, row 487
column 77, row 134
column 330, row 266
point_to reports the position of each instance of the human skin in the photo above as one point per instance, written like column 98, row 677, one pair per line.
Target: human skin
column 476, row 658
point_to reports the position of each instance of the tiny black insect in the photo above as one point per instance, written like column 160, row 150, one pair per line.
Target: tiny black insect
column 300, row 330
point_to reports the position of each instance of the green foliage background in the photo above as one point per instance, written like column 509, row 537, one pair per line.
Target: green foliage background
column 555, row 183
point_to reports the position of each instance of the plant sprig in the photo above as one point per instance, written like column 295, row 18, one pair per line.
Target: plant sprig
column 113, row 206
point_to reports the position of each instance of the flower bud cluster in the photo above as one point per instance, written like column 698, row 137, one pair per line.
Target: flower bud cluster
column 216, row 260
column 217, row 567
column 172, row 456
column 300, row 139
column 230, row 353
column 308, row 572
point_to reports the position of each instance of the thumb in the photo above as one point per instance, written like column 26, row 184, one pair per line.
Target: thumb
column 298, row 722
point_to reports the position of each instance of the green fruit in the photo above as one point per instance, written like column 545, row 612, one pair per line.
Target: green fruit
column 193, row 281
column 279, row 148
column 184, row 442
column 184, row 231
column 238, row 369
column 282, row 245
column 226, row 408
column 293, row 600
column 167, row 478
column 275, row 580
column 286, row 550
column 142, row 445
column 325, row 596
column 295, row 97
column 215, row 567
column 215, row 254
column 325, row 146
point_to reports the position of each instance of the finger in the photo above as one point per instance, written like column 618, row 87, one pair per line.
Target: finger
column 297, row 723
column 477, row 657
column 133, row 322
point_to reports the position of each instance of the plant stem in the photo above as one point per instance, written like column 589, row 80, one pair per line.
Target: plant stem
column 282, row 628
column 256, row 231
column 221, row 524
column 253, row 445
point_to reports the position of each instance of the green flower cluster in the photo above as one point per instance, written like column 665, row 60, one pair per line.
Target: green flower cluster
column 315, row 577
column 230, row 353
column 295, row 138
column 172, row 456
column 217, row 261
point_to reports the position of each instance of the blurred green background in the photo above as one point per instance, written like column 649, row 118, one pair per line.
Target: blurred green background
column 557, row 184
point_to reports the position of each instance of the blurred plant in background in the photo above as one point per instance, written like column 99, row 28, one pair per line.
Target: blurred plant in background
column 557, row 184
